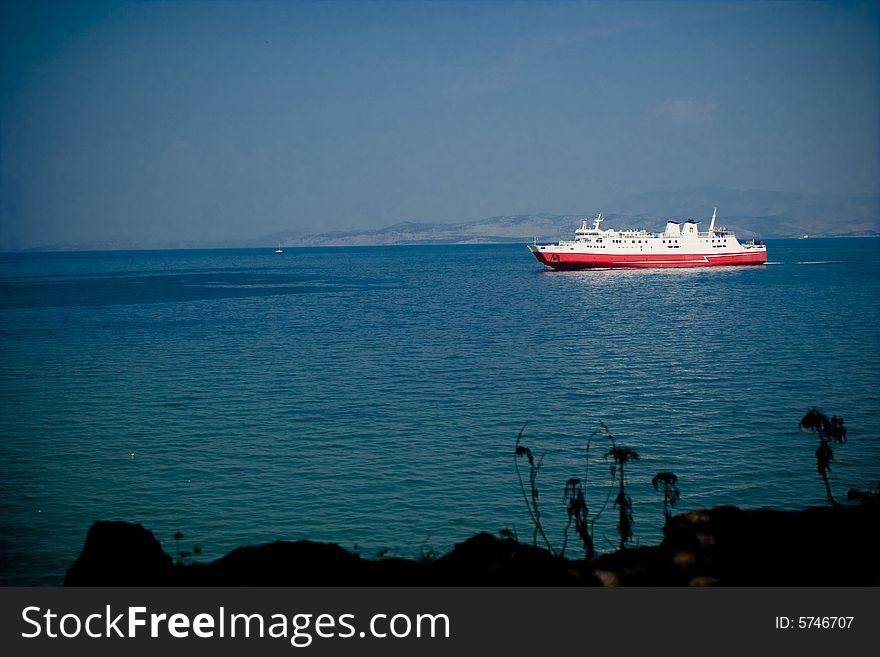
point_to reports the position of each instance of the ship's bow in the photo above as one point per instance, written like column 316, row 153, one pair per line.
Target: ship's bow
column 539, row 255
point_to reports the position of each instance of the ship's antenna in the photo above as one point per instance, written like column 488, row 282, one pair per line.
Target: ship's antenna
column 712, row 225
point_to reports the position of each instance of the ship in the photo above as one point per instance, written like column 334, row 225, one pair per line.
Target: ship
column 679, row 245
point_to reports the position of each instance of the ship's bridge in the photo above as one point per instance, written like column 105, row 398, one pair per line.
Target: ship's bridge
column 586, row 230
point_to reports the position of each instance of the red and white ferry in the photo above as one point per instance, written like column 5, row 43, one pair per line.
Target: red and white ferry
column 679, row 245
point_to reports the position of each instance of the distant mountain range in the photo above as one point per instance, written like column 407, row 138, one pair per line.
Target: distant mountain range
column 764, row 213
column 750, row 213
column 519, row 228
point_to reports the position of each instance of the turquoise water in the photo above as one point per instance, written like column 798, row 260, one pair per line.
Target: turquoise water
column 372, row 396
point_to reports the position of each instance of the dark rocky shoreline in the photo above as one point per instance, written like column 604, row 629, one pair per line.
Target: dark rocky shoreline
column 725, row 546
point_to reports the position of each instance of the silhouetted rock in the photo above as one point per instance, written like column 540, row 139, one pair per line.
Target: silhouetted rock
column 728, row 546
column 641, row 566
column 819, row 546
column 121, row 554
column 284, row 563
column 723, row 546
column 486, row 560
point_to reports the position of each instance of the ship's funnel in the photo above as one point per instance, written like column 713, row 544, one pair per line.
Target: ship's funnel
column 672, row 229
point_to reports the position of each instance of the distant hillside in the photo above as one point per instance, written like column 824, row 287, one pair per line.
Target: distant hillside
column 764, row 213
column 751, row 213
column 518, row 228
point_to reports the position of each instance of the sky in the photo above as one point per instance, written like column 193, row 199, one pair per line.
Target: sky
column 212, row 121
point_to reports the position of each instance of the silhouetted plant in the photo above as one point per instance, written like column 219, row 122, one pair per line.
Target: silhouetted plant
column 622, row 456
column 427, row 555
column 184, row 555
column 506, row 534
column 575, row 499
column 178, row 536
column 829, row 431
column 576, row 505
column 671, row 495
column 574, row 495
column 531, row 498
column 611, row 439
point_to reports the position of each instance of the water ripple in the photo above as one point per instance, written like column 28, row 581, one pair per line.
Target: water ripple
column 372, row 396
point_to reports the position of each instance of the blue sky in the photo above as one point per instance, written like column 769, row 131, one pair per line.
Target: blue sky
column 214, row 121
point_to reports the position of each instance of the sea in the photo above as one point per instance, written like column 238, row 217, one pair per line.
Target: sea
column 373, row 396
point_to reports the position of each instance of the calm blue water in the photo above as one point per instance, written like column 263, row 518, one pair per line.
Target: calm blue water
column 372, row 396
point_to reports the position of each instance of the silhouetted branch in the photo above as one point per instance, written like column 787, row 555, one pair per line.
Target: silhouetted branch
column 532, row 505
column 671, row 495
column 829, row 430
column 621, row 456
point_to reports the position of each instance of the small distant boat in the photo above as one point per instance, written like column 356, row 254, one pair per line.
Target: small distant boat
column 804, row 237
column 279, row 249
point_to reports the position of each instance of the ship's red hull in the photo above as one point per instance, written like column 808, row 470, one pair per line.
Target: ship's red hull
column 562, row 260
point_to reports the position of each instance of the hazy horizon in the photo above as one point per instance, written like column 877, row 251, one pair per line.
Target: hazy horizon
column 224, row 121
